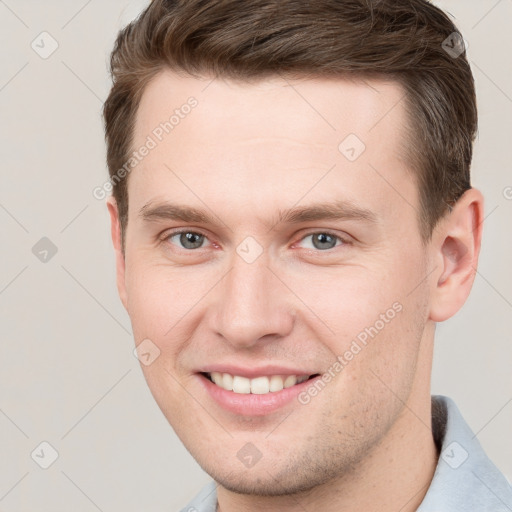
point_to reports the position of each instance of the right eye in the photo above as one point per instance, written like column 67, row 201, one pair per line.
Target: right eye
column 189, row 240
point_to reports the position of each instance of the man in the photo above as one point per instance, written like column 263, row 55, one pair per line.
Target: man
column 292, row 215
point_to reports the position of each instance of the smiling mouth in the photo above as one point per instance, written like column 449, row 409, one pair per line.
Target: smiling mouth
column 258, row 385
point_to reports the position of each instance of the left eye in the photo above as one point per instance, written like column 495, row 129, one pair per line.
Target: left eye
column 322, row 241
column 188, row 239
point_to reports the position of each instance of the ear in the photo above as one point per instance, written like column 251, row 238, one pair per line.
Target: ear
column 115, row 229
column 456, row 245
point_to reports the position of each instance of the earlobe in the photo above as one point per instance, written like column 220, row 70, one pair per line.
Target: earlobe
column 456, row 243
column 115, row 230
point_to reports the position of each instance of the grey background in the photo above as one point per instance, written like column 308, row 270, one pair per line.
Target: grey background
column 67, row 372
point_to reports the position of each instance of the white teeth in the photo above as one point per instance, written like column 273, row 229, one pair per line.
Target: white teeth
column 227, row 381
column 241, row 384
column 258, row 385
column 217, row 378
column 290, row 381
column 276, row 383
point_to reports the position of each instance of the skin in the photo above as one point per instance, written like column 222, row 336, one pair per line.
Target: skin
column 243, row 154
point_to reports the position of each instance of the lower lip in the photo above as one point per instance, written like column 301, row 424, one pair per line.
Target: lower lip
column 249, row 404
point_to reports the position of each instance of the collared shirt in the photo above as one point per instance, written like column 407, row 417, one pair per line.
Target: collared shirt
column 465, row 479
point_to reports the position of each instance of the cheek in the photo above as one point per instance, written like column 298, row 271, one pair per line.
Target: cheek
column 160, row 297
column 385, row 350
column 342, row 301
column 368, row 317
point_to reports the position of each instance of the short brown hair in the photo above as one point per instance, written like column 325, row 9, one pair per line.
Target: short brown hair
column 407, row 41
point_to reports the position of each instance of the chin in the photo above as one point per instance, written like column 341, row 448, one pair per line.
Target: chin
column 272, row 481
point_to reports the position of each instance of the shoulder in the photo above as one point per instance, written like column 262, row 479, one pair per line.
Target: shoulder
column 465, row 477
column 205, row 501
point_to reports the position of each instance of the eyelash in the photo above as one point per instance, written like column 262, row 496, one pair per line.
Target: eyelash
column 170, row 234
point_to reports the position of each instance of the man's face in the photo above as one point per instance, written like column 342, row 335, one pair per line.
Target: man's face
column 259, row 289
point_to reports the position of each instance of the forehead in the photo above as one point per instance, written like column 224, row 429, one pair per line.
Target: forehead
column 310, row 110
column 262, row 144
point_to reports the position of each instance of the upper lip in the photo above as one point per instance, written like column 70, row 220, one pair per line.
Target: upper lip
column 253, row 371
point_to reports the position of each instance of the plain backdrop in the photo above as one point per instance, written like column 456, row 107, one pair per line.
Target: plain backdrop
column 68, row 376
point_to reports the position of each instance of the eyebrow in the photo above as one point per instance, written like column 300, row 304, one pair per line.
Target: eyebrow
column 338, row 210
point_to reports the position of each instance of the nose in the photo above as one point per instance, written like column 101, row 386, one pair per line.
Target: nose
column 252, row 304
